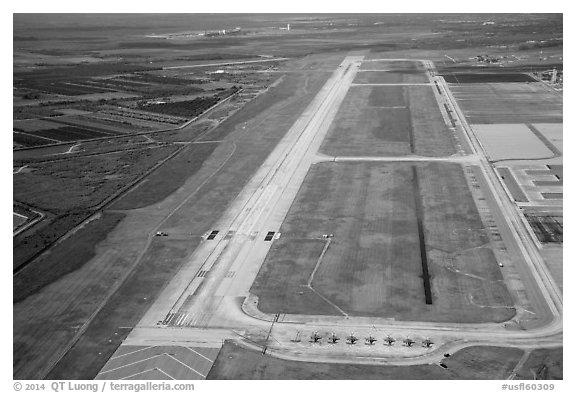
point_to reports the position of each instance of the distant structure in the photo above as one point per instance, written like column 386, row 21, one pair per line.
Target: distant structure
column 216, row 33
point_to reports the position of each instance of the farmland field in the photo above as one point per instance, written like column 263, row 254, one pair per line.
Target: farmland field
column 510, row 141
column 388, row 121
column 373, row 265
column 71, row 189
column 487, row 78
column 41, row 337
column 497, row 103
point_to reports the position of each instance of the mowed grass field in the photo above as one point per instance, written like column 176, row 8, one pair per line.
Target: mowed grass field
column 235, row 362
column 366, row 76
column 373, row 265
column 393, row 66
column 389, row 121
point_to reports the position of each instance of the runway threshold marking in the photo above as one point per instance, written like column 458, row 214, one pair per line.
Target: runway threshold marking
column 133, row 363
column 153, row 357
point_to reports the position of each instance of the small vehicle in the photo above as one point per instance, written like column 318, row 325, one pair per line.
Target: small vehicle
column 160, row 233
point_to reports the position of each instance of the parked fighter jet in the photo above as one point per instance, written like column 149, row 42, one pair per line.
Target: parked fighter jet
column 370, row 340
column 315, row 337
column 389, row 340
column 408, row 341
column 352, row 338
column 333, row 339
column 427, row 342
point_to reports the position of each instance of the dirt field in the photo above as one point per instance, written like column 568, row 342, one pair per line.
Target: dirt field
column 234, row 362
column 511, row 141
column 487, row 78
column 388, row 121
column 373, row 265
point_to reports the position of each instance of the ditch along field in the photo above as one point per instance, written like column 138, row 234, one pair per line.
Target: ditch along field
column 389, row 120
column 391, row 223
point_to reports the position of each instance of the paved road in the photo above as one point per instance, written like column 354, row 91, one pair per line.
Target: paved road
column 227, row 64
column 204, row 304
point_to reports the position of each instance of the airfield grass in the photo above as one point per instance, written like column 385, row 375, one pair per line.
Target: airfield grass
column 166, row 179
column 382, row 97
column 389, row 77
column 407, row 67
column 124, row 310
column 545, row 363
column 388, row 121
column 234, row 362
column 373, row 265
column 68, row 256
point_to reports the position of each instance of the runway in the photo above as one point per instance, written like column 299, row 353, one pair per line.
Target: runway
column 209, row 300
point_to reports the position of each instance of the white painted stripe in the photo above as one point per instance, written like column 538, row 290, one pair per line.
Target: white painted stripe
column 131, row 364
column 170, row 317
column 188, row 367
column 145, row 371
column 130, row 353
column 199, row 354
